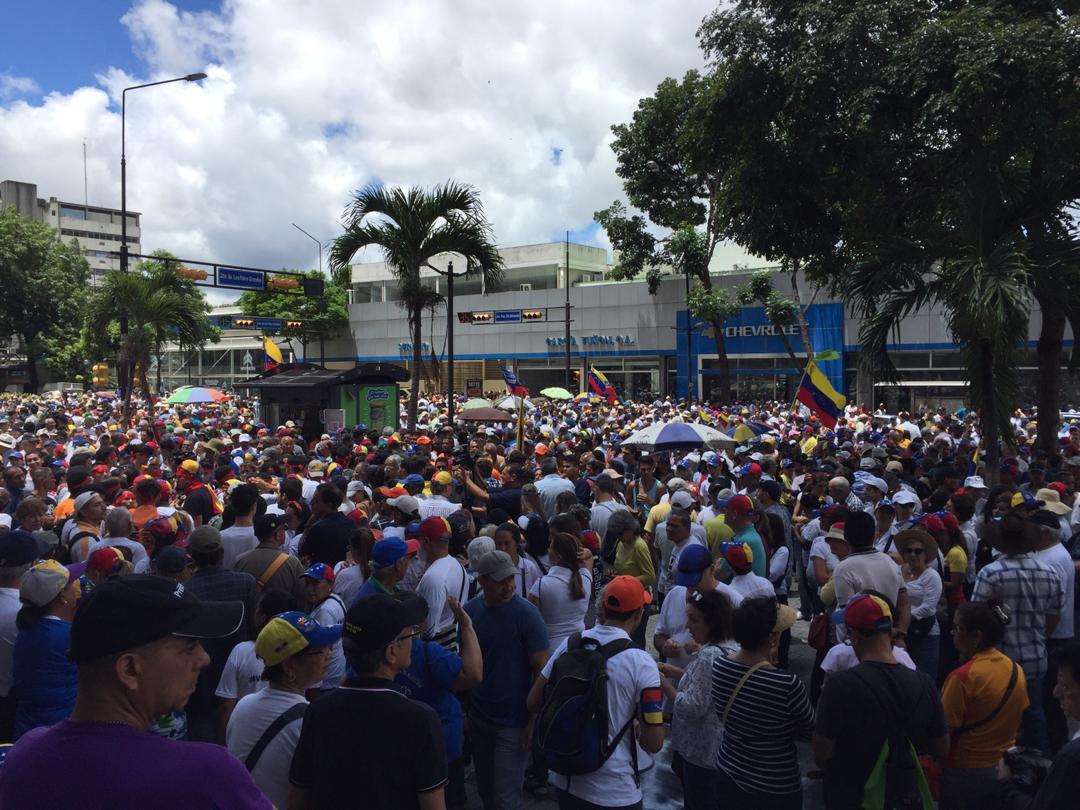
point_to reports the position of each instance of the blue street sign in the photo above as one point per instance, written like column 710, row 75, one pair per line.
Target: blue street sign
column 508, row 316
column 267, row 324
column 239, row 279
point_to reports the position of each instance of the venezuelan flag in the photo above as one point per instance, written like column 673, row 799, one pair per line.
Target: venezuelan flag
column 600, row 385
column 273, row 357
column 817, row 394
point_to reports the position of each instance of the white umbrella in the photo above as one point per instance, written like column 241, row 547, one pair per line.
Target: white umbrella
column 512, row 403
column 678, row 436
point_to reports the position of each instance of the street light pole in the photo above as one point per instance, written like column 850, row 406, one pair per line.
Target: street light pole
column 689, row 353
column 191, row 77
column 567, row 336
column 322, row 300
column 450, row 343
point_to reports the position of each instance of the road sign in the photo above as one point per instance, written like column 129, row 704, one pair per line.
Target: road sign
column 237, row 279
column 266, row 324
column 508, row 316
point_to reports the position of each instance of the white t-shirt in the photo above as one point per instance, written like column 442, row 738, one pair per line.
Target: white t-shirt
column 242, row 674
column 752, row 586
column 629, row 673
column 444, row 577
column 437, row 505
column 1058, row 559
column 562, row 614
column 600, row 515
column 347, row 582
column 9, row 608
column 841, row 657
column 332, row 611
column 237, row 540
column 252, row 716
column 527, row 576
column 821, row 549
column 672, row 619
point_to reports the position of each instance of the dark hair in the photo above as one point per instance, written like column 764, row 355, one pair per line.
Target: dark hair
column 715, row 608
column 565, row 522
column 991, row 500
column 963, row 507
column 566, row 546
column 361, row 543
column 776, row 537
column 564, row 502
column 753, row 622
column 29, row 615
column 243, row 497
column 537, row 537
column 329, row 495
column 204, row 559
column 275, row 601
column 859, row 530
column 989, row 618
column 1068, row 657
column 363, row 663
column 548, row 466
column 292, row 489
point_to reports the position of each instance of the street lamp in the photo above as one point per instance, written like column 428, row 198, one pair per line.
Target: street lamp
column 449, row 339
column 191, row 77
column 322, row 299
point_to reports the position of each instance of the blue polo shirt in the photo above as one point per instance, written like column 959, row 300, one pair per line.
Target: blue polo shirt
column 430, row 679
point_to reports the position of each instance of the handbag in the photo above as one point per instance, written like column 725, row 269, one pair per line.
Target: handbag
column 817, row 637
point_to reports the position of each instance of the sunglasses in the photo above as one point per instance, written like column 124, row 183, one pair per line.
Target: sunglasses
column 915, row 550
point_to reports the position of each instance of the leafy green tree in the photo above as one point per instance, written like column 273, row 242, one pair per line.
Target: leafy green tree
column 323, row 317
column 44, row 284
column 911, row 152
column 668, row 174
column 160, row 305
column 781, row 310
column 412, row 226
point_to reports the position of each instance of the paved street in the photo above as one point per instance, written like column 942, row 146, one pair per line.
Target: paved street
column 661, row 787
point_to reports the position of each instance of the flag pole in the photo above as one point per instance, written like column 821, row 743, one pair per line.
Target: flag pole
column 521, row 424
column 802, row 377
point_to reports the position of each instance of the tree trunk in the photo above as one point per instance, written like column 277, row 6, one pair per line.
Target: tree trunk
column 787, row 346
column 800, row 313
column 988, row 417
column 1048, row 382
column 416, row 320
column 723, row 364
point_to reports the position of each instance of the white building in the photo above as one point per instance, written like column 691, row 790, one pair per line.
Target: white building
column 95, row 228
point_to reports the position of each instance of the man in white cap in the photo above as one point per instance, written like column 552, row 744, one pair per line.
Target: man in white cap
column 83, row 531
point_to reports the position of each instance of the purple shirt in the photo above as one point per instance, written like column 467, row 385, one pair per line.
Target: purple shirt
column 96, row 766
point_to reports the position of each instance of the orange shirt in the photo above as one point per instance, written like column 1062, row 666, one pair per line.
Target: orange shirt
column 64, row 509
column 971, row 692
column 140, row 516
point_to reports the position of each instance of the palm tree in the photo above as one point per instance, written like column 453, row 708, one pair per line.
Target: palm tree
column 160, row 306
column 413, row 226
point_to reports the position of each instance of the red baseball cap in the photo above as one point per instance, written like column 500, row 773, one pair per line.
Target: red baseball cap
column 741, row 505
column 739, row 557
column 868, row 612
column 435, row 527
column 625, row 594
column 320, row 571
column 105, row 560
column 1058, row 487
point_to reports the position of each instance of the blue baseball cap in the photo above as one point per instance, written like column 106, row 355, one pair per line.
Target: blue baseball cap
column 388, row 551
column 320, row 571
column 693, row 560
column 413, row 478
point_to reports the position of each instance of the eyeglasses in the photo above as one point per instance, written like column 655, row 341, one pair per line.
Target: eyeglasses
column 407, row 636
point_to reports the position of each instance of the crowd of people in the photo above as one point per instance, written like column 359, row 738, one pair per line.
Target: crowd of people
column 216, row 612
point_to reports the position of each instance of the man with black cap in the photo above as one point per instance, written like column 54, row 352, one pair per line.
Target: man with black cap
column 272, row 567
column 136, row 642
column 402, row 762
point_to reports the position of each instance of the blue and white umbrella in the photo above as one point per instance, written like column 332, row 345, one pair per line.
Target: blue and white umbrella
column 678, row 436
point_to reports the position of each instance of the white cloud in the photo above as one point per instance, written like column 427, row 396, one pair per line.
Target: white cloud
column 11, row 86
column 307, row 101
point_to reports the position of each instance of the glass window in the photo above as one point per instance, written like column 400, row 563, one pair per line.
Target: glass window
column 72, row 213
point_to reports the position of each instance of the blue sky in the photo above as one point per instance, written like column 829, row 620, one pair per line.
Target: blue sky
column 63, row 44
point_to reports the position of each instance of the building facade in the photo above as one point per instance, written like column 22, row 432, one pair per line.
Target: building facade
column 96, row 229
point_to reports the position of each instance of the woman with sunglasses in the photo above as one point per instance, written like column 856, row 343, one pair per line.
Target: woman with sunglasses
column 924, row 592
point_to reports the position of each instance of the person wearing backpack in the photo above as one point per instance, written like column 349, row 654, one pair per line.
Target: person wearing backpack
column 598, row 681
column 872, row 719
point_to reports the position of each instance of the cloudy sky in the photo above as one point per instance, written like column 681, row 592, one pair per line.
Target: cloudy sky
column 308, row 100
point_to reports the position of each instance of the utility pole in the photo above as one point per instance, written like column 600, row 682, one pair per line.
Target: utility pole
column 567, row 336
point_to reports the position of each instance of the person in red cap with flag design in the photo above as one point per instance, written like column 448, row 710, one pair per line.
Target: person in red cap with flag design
column 739, row 514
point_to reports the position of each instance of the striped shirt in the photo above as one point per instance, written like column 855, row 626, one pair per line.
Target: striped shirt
column 1032, row 591
column 758, row 747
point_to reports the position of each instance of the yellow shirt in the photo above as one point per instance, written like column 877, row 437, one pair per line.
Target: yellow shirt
column 971, row 692
column 656, row 516
column 717, row 532
column 635, row 560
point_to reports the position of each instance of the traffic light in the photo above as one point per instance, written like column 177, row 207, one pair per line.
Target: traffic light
column 481, row 317
column 464, row 317
column 282, row 283
column 192, row 273
column 532, row 314
column 243, row 323
column 100, row 375
column 577, row 377
column 294, row 324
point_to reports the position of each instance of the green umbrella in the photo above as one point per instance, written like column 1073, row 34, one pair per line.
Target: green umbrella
column 556, row 393
column 476, row 402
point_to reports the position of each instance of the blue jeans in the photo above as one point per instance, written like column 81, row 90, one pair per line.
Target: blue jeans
column 1033, row 732
column 701, row 787
column 925, row 651
column 499, row 760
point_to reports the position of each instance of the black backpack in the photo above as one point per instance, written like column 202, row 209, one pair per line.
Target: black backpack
column 571, row 732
